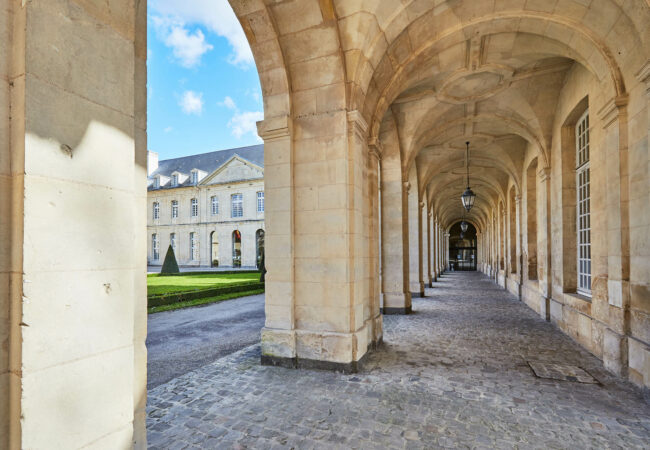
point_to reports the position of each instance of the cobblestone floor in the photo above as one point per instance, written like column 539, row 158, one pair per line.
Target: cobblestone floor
column 453, row 374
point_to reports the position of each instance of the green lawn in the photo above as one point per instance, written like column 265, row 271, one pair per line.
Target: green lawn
column 194, row 282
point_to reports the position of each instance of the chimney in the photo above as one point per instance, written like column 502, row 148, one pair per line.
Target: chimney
column 152, row 162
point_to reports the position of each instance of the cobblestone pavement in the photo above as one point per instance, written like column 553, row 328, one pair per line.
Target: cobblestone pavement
column 453, row 374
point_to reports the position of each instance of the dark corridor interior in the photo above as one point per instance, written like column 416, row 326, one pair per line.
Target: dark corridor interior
column 462, row 246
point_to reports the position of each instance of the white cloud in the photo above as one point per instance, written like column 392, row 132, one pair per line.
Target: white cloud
column 168, row 129
column 245, row 122
column 216, row 15
column 187, row 47
column 229, row 103
column 192, row 102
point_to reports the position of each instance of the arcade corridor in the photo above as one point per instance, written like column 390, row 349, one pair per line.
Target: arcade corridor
column 455, row 372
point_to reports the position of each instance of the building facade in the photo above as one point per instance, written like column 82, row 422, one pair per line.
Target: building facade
column 208, row 207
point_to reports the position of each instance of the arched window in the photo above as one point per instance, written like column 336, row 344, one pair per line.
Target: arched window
column 236, row 248
column 156, row 210
column 155, row 251
column 194, row 207
column 259, row 246
column 583, row 205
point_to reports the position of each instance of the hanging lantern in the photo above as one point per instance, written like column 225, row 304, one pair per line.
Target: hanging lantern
column 462, row 235
column 468, row 196
column 463, row 226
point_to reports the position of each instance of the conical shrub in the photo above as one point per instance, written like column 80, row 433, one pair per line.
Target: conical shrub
column 169, row 265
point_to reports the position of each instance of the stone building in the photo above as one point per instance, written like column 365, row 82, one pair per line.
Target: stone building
column 208, row 207
column 367, row 108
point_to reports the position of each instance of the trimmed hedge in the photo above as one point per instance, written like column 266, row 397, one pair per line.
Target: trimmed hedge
column 168, row 299
column 207, row 272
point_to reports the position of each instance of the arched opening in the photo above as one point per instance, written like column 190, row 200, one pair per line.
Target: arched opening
column 259, row 247
column 236, row 248
column 214, row 250
column 462, row 247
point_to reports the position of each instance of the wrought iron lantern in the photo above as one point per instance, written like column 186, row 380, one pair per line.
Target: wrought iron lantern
column 463, row 226
column 468, row 196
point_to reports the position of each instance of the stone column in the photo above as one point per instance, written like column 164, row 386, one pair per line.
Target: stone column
column 318, row 217
column 374, row 238
column 544, row 241
column 73, row 225
column 416, row 285
column 394, row 245
column 429, row 265
column 613, row 117
column 446, row 243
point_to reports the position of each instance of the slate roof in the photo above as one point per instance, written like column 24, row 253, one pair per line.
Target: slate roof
column 207, row 162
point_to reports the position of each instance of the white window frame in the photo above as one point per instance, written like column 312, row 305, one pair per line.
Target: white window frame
column 195, row 177
column 174, row 209
column 156, row 182
column 155, row 249
column 172, row 241
column 583, row 207
column 194, row 207
column 156, row 210
column 236, row 205
column 214, row 202
column 260, row 201
column 193, row 245
column 175, row 180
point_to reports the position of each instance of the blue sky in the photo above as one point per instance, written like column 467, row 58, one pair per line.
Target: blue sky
column 203, row 88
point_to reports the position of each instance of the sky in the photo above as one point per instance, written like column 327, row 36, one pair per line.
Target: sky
column 203, row 89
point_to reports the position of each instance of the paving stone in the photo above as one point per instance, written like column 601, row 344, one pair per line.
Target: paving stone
column 451, row 375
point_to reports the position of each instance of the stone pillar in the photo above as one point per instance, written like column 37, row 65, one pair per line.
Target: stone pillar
column 374, row 247
column 446, row 243
column 429, row 265
column 73, row 251
column 317, row 226
column 394, row 245
column 416, row 285
column 544, row 241
column 613, row 117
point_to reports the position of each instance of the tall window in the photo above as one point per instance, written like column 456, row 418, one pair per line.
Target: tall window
column 195, row 177
column 156, row 210
column 260, row 201
column 154, row 246
column 214, row 201
column 172, row 241
column 194, row 207
column 174, row 209
column 175, row 180
column 237, row 205
column 583, row 205
column 156, row 183
column 193, row 246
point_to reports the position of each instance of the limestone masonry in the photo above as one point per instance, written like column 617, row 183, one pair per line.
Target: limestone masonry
column 368, row 106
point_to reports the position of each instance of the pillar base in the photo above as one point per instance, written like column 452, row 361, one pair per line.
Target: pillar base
column 396, row 303
column 396, row 310
column 615, row 352
column 417, row 289
column 304, row 363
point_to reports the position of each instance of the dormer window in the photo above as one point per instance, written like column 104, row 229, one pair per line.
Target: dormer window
column 156, row 182
column 195, row 177
column 175, row 180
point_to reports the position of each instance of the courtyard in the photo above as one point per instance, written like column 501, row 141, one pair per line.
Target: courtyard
column 456, row 373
